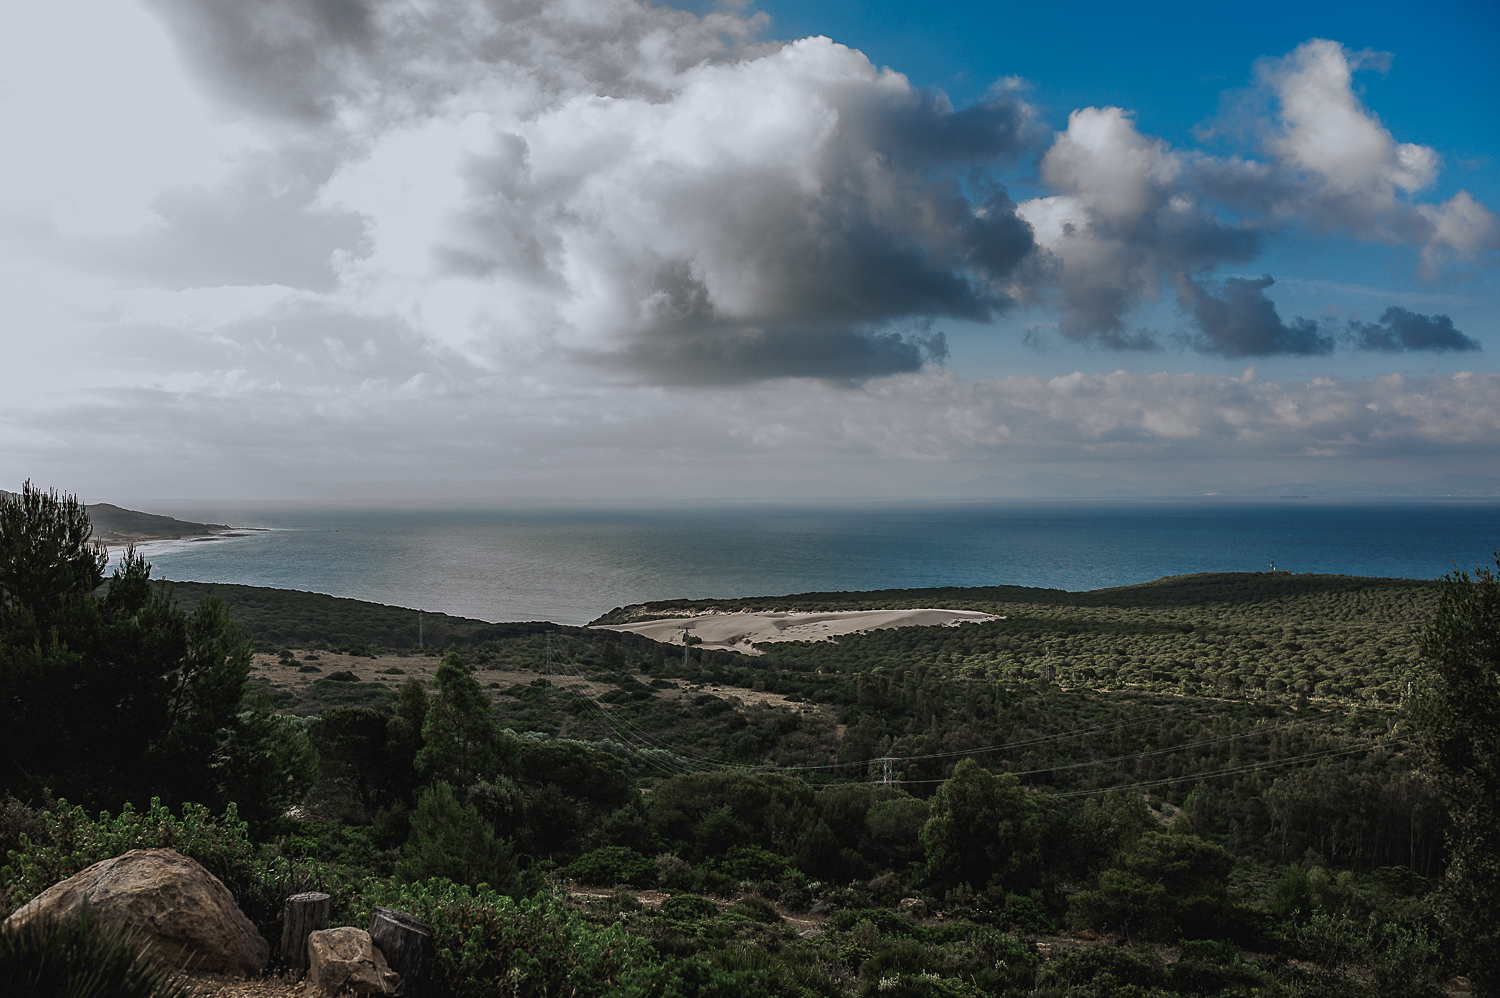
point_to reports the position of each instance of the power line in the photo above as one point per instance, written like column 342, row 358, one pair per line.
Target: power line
column 1233, row 771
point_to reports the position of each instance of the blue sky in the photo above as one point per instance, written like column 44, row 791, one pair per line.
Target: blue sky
column 1171, row 62
column 606, row 249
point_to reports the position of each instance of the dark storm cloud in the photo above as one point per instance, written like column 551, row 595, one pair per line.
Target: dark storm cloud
column 290, row 58
column 1400, row 330
column 753, row 354
column 1242, row 322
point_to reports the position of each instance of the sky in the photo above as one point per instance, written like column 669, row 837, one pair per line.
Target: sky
column 600, row 249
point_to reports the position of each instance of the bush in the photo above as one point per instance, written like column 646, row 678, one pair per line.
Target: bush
column 752, row 863
column 72, row 841
column 757, row 909
column 1104, row 967
column 887, row 923
column 688, row 908
column 613, row 865
column 488, row 944
column 48, row 959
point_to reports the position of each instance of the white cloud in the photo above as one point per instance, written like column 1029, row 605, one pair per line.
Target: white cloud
column 1122, row 225
column 1132, row 217
column 1347, row 172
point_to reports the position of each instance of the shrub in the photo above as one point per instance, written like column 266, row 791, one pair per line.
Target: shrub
column 887, row 923
column 672, row 871
column 48, row 959
column 757, row 909
column 613, row 865
column 743, row 863
column 72, row 841
column 688, row 907
column 487, row 944
column 1104, row 967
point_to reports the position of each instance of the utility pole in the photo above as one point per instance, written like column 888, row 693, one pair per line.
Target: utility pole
column 549, row 660
column 685, row 647
column 886, row 775
column 421, row 642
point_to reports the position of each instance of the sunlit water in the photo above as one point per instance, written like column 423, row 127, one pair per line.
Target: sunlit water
column 571, row 563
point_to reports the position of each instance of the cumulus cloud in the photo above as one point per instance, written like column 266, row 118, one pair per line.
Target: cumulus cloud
column 1123, row 223
column 1341, row 169
column 634, row 185
column 1133, row 217
column 1400, row 330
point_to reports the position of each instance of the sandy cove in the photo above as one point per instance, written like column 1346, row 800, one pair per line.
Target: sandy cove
column 741, row 631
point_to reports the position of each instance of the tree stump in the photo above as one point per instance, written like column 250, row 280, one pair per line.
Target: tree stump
column 303, row 915
column 406, row 943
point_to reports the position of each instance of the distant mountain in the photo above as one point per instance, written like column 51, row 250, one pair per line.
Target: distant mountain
column 1049, row 485
column 1043, row 484
column 116, row 525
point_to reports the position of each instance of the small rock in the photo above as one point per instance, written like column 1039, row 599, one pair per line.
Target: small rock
column 809, row 933
column 345, row 959
column 915, row 907
column 180, row 912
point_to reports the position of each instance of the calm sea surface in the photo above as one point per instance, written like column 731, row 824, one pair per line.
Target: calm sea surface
column 570, row 563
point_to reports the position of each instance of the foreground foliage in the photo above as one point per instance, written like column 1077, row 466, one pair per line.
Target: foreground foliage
column 44, row 959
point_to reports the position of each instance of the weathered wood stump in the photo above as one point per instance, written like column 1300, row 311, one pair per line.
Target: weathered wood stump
column 406, row 943
column 303, row 915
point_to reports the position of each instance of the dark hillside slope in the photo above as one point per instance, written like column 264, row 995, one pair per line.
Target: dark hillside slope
column 1199, row 591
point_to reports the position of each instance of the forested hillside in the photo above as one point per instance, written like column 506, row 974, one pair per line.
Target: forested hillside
column 1208, row 785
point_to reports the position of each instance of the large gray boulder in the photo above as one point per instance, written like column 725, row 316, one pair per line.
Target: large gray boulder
column 181, row 913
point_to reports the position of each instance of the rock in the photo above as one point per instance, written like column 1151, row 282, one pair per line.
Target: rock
column 915, row 907
column 345, row 959
column 180, row 912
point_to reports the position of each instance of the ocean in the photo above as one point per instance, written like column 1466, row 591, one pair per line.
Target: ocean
column 569, row 563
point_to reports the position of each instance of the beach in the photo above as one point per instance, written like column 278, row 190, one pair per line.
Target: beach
column 742, row 631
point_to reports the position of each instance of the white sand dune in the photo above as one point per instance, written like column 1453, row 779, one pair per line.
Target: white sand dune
column 742, row 631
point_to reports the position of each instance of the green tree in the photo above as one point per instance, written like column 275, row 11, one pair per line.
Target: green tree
column 352, row 744
column 1167, row 886
column 984, row 829
column 449, row 838
column 462, row 744
column 1455, row 707
column 116, row 694
column 47, row 556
